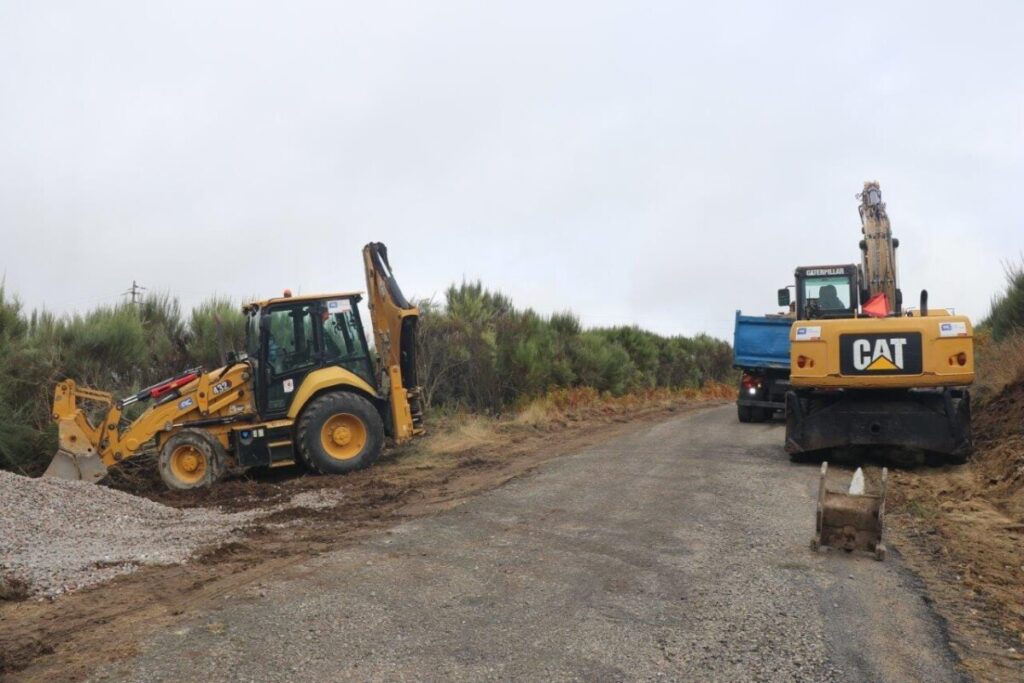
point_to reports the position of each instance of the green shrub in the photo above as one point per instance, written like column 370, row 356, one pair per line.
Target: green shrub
column 476, row 351
column 1007, row 314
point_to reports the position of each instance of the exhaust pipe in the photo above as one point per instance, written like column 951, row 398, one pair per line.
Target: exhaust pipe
column 924, row 303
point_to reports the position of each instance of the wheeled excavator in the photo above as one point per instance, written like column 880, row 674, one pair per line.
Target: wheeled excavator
column 306, row 390
column 868, row 377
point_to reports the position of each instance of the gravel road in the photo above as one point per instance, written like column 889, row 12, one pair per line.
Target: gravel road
column 676, row 552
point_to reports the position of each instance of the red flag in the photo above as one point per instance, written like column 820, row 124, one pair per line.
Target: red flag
column 877, row 306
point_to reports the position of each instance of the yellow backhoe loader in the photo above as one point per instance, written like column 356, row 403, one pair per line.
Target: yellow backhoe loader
column 867, row 377
column 306, row 389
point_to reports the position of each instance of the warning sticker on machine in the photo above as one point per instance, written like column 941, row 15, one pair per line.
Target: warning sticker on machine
column 808, row 332
column 953, row 329
column 339, row 306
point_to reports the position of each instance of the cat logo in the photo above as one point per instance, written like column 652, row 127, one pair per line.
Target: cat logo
column 880, row 354
column 886, row 354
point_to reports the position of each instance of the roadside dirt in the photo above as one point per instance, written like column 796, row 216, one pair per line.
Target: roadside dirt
column 66, row 639
column 962, row 530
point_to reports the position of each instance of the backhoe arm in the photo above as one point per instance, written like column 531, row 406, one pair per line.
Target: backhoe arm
column 394, row 322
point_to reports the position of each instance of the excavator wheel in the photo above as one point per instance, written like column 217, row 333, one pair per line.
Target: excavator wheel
column 340, row 432
column 191, row 459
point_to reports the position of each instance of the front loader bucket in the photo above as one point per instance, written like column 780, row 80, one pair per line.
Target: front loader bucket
column 76, row 467
column 850, row 521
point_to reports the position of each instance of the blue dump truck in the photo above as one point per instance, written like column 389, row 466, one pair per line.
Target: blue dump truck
column 760, row 347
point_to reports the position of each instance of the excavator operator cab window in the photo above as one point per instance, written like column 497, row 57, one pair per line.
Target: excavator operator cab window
column 832, row 295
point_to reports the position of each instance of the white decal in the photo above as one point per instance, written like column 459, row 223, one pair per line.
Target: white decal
column 953, row 329
column 339, row 306
column 808, row 333
column 289, row 386
column 222, row 387
column 185, row 403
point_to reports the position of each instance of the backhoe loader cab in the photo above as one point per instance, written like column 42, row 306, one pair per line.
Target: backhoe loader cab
column 291, row 337
column 307, row 389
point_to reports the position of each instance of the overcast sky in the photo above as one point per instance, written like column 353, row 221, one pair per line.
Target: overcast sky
column 662, row 164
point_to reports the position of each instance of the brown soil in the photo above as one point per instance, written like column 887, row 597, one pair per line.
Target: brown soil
column 962, row 530
column 64, row 640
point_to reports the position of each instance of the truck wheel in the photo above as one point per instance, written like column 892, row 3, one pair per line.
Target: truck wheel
column 191, row 459
column 744, row 413
column 340, row 432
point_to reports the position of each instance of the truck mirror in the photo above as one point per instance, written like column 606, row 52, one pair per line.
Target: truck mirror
column 265, row 323
column 784, row 296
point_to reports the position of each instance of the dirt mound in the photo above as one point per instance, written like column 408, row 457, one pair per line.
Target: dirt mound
column 962, row 529
column 998, row 461
column 1001, row 415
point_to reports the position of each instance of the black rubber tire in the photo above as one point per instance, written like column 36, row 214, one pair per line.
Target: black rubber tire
column 311, row 450
column 207, row 445
column 744, row 413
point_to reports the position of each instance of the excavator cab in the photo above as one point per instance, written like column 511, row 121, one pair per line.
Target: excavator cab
column 826, row 292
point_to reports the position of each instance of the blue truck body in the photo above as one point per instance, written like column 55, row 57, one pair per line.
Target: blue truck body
column 760, row 347
column 761, row 342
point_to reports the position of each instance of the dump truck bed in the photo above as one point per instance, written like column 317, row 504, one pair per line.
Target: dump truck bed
column 761, row 342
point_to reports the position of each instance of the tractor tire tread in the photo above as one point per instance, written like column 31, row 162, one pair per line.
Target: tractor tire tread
column 308, row 445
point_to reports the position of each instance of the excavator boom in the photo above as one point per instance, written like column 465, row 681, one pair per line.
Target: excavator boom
column 878, row 249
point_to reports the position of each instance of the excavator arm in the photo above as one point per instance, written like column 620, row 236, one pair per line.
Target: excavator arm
column 394, row 322
column 878, row 253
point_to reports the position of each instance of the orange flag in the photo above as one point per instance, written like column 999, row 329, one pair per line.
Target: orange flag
column 877, row 306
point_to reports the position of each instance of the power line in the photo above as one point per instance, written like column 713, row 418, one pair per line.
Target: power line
column 135, row 291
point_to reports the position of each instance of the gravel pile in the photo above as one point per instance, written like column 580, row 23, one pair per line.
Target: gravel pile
column 58, row 536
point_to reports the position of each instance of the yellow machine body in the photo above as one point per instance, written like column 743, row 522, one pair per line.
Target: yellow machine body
column 222, row 408
column 869, row 379
column 881, row 351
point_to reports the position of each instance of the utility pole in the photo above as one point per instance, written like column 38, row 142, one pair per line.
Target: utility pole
column 135, row 292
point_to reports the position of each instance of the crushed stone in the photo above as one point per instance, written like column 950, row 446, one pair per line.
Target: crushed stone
column 59, row 536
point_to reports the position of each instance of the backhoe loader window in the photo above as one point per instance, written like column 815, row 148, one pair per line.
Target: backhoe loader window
column 343, row 342
column 290, row 342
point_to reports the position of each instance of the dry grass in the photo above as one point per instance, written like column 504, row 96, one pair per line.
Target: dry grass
column 464, row 432
column 999, row 364
column 572, row 404
column 460, row 433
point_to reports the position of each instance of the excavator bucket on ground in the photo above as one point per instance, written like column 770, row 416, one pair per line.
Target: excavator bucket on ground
column 850, row 521
column 77, row 457
column 77, row 467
